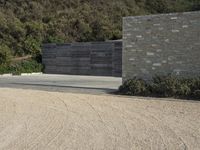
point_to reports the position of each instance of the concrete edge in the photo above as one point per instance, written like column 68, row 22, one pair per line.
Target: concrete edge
column 22, row 74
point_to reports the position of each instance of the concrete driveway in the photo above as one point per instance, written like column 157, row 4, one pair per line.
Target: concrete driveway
column 63, row 83
column 41, row 120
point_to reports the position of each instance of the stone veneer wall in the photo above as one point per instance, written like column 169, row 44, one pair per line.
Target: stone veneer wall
column 161, row 44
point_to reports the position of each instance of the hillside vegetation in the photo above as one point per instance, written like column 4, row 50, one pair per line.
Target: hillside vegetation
column 25, row 24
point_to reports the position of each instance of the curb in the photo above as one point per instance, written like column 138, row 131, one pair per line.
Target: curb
column 6, row 75
column 34, row 73
column 22, row 74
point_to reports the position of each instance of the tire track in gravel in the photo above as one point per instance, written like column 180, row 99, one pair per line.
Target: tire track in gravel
column 137, row 118
column 150, row 119
column 154, row 122
column 51, row 120
column 153, row 119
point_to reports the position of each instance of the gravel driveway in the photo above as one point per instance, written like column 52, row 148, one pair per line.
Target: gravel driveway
column 59, row 121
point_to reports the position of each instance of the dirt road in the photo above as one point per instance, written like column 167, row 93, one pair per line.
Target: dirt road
column 59, row 121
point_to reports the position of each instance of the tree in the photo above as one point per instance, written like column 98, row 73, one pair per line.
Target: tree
column 5, row 55
column 26, row 24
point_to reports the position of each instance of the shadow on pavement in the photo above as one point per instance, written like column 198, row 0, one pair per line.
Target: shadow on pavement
column 60, row 88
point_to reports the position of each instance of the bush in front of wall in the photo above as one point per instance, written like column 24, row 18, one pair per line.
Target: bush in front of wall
column 134, row 87
column 163, row 86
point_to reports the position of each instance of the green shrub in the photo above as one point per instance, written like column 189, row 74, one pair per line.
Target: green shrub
column 183, row 90
column 163, row 86
column 32, row 46
column 196, row 94
column 27, row 66
column 169, row 86
column 134, row 87
column 5, row 55
column 159, row 6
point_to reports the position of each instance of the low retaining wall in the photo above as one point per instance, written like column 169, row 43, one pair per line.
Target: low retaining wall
column 92, row 58
column 161, row 44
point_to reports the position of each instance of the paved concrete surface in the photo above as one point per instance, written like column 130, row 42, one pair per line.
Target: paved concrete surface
column 63, row 83
column 31, row 119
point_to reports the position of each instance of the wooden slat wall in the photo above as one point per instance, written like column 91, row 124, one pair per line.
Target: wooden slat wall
column 91, row 58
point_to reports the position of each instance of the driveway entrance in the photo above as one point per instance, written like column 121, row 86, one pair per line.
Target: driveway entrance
column 65, row 83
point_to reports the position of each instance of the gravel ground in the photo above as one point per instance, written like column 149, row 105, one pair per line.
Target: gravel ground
column 42, row 120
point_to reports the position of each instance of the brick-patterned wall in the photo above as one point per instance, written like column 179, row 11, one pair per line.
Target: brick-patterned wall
column 91, row 58
column 161, row 44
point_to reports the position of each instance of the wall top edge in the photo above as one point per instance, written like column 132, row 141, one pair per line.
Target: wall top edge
column 160, row 15
column 80, row 43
